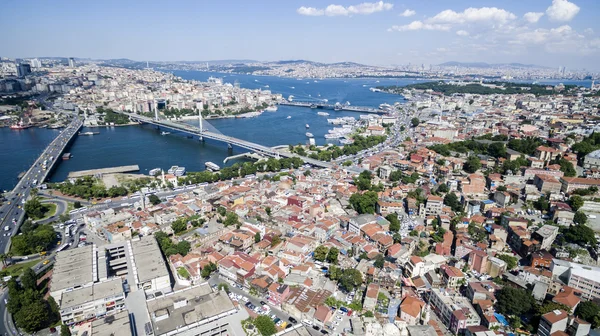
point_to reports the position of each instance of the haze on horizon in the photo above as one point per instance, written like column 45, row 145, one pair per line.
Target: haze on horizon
column 543, row 32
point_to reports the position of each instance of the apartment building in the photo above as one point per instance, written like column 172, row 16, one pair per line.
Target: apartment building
column 453, row 309
column 582, row 278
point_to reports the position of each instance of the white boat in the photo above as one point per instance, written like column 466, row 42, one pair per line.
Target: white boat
column 310, row 135
column 267, row 86
column 165, row 133
column 271, row 109
column 289, row 117
column 307, row 126
column 323, row 114
column 212, row 166
column 293, row 87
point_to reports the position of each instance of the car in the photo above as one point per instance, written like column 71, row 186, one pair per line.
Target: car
column 316, row 327
column 338, row 318
column 52, row 330
column 293, row 320
column 324, row 332
column 262, row 303
column 46, row 262
column 336, row 323
column 248, row 304
column 288, row 326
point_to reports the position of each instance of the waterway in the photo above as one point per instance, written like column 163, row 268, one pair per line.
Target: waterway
column 146, row 147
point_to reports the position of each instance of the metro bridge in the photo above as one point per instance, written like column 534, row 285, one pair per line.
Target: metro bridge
column 206, row 131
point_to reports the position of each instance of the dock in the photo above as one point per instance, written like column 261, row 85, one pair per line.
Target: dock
column 111, row 170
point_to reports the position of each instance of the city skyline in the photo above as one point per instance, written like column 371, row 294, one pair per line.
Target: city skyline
column 546, row 32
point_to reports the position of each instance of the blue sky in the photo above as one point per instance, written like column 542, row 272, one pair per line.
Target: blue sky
column 545, row 32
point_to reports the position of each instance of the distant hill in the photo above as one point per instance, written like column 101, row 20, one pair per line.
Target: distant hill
column 490, row 65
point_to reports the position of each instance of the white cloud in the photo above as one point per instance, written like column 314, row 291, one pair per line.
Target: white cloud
column 408, row 12
column 419, row 25
column 562, row 10
column 469, row 15
column 589, row 31
column 364, row 8
column 533, row 17
column 310, row 11
column 462, row 33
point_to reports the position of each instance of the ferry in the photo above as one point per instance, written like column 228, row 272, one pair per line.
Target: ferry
column 88, row 133
column 176, row 170
column 212, row 166
column 310, row 135
column 154, row 171
column 66, row 156
column 19, row 126
column 307, row 126
column 271, row 109
column 323, row 114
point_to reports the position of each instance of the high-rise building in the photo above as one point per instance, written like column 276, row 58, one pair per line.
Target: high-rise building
column 35, row 63
column 71, row 62
column 23, row 69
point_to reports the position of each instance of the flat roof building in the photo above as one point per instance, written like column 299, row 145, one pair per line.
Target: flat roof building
column 74, row 268
column 100, row 299
column 113, row 325
column 150, row 266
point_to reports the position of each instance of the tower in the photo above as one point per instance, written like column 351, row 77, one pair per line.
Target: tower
column 71, row 62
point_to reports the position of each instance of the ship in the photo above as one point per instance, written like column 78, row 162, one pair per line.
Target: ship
column 323, row 114
column 165, row 133
column 310, row 135
column 88, row 133
column 212, row 166
column 19, row 126
column 66, row 156
column 176, row 170
column 154, row 171
column 271, row 109
column 307, row 126
column 289, row 117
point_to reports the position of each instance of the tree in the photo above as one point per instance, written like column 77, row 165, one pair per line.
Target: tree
column 268, row 211
column 332, row 255
column 576, row 202
column 77, row 205
column 265, row 325
column 64, row 217
column 154, row 199
column 34, row 208
column 208, row 269
column 394, row 222
column 580, row 218
column 350, row 279
column 452, row 201
column 231, row 219
column 541, row 204
column 472, row 164
column 511, row 262
column 64, row 330
column 580, row 234
column 589, row 311
column 414, row 122
column 257, row 237
column 379, row 261
column 275, row 241
column 321, row 253
column 368, row 313
column 567, row 168
column 513, row 301
column 443, row 188
column 183, row 247
column 501, row 188
column 29, row 279
column 179, row 225
column 364, row 203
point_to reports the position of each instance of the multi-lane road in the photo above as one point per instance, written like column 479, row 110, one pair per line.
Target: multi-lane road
column 11, row 211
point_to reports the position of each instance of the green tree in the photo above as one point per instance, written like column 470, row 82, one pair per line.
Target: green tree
column 443, row 188
column 589, row 311
column 472, row 164
column 320, row 253
column 34, row 208
column 64, row 330
column 350, row 279
column 368, row 313
column 567, row 168
column 576, row 202
column 414, row 122
column 394, row 222
column 231, row 219
column 332, row 255
column 580, row 234
column 29, row 279
column 379, row 261
column 179, row 225
column 275, row 241
column 364, row 203
column 580, row 218
column 265, row 325
column 154, row 199
column 257, row 237
column 77, row 205
column 513, row 301
column 511, row 262
column 183, row 247
column 452, row 201
column 208, row 269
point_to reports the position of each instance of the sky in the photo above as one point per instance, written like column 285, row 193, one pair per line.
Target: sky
column 545, row 32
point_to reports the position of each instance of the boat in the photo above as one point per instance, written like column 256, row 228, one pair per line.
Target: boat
column 212, row 166
column 293, row 87
column 19, row 126
column 323, row 114
column 165, row 133
column 307, row 126
column 66, row 156
column 267, row 86
column 154, row 171
column 310, row 135
column 375, row 90
column 271, row 109
column 88, row 133
column 289, row 117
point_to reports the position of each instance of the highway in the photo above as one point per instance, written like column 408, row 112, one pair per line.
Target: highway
column 11, row 211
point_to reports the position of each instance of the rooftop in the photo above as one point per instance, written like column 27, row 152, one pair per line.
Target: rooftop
column 112, row 325
column 74, row 268
column 148, row 259
column 98, row 291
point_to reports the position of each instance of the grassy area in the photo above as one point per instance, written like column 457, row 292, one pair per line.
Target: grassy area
column 183, row 273
column 50, row 210
column 18, row 269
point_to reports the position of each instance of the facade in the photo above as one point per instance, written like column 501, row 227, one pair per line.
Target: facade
column 592, row 160
column 546, row 236
column 582, row 278
column 552, row 322
column 572, row 183
column 92, row 302
column 453, row 309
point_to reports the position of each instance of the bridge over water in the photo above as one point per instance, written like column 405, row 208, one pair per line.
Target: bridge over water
column 337, row 107
column 206, row 131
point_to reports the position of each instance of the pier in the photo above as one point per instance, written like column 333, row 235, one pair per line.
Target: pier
column 111, row 170
column 335, row 107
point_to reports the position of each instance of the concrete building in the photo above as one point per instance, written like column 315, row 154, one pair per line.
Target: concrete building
column 546, row 236
column 547, row 183
column 583, row 278
column 453, row 309
column 552, row 322
column 572, row 183
column 433, row 206
column 194, row 311
column 96, row 301
column 150, row 266
column 74, row 268
column 118, row 324
column 592, row 160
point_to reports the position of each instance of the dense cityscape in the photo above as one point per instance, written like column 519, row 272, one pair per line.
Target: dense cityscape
column 449, row 198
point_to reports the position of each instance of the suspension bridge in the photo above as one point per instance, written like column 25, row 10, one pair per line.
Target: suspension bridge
column 207, row 131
